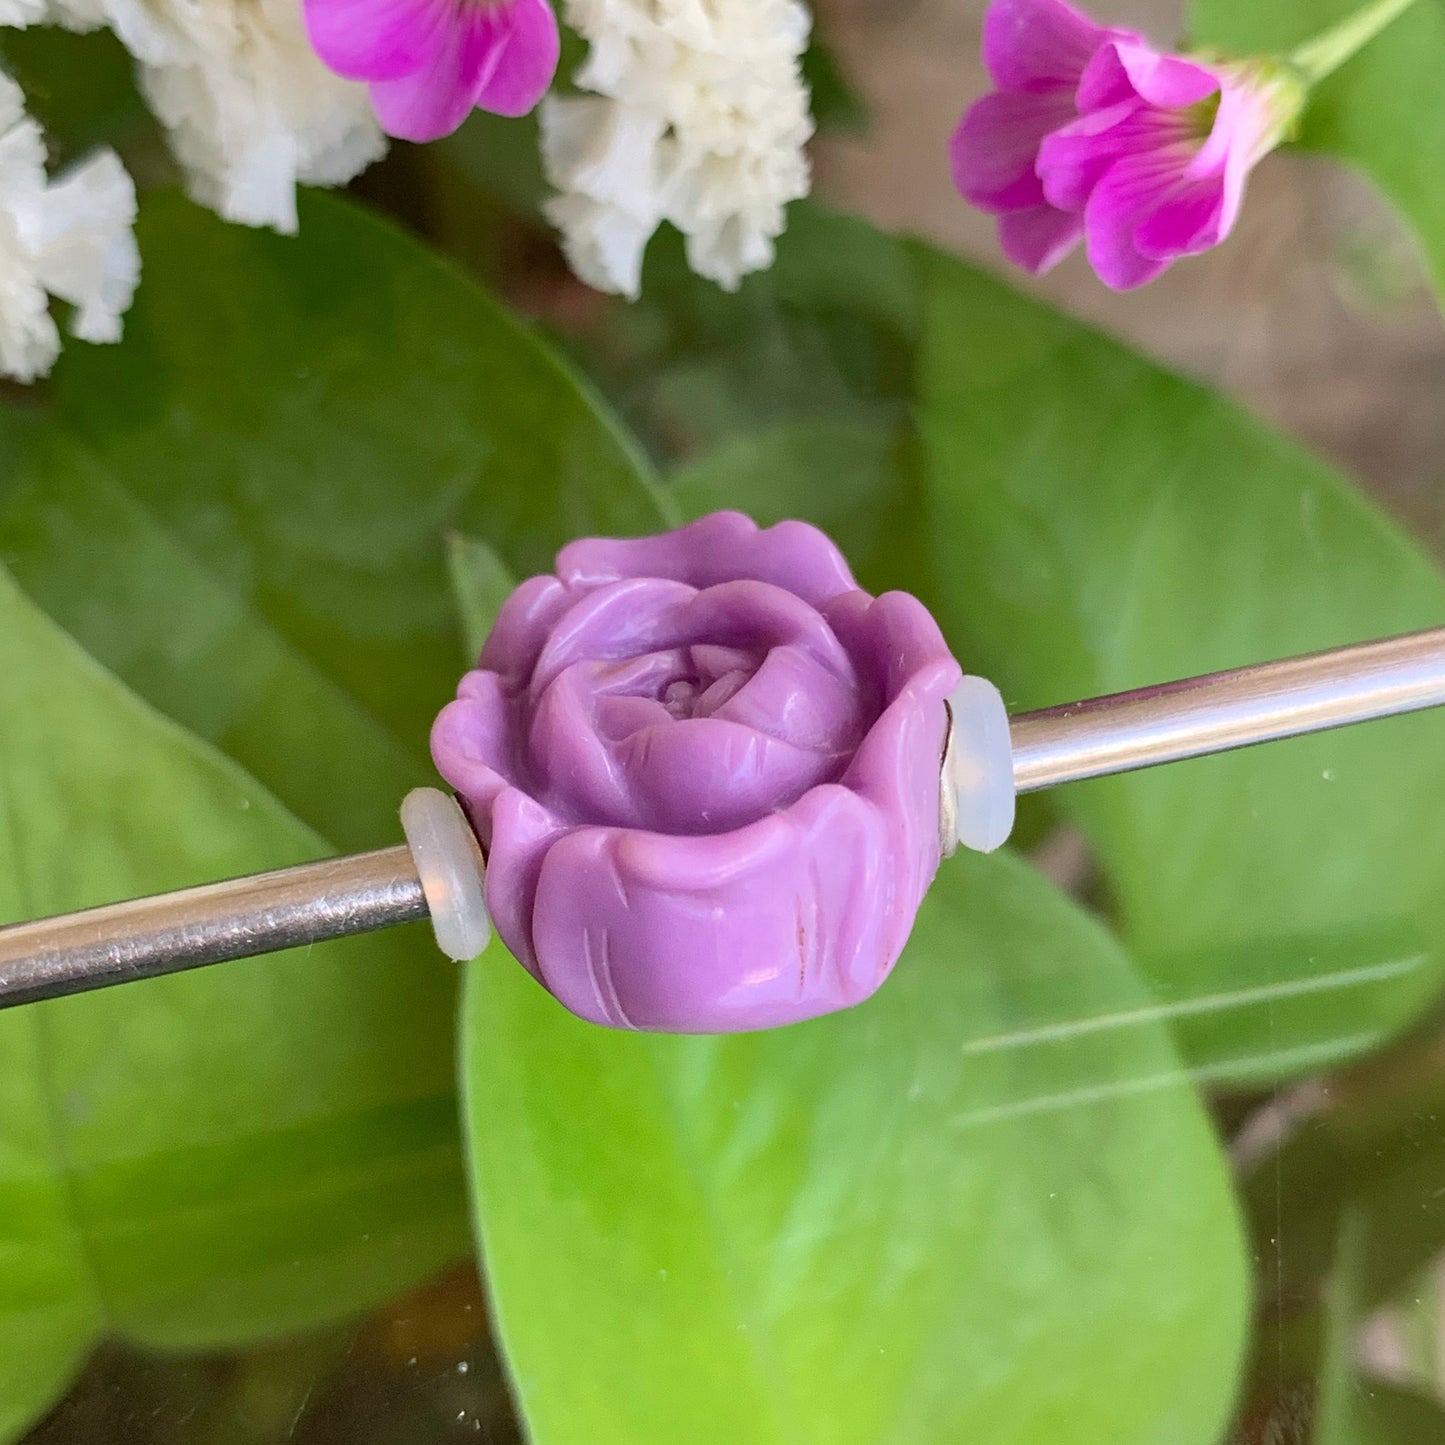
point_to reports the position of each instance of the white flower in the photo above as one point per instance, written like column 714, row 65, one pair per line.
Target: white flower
column 17, row 14
column 699, row 117
column 70, row 237
column 250, row 109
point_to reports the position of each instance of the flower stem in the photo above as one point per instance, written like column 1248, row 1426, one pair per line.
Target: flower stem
column 1323, row 55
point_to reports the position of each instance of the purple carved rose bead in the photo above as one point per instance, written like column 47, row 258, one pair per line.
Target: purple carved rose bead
column 705, row 769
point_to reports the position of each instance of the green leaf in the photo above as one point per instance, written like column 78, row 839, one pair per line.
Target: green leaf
column 843, row 476
column 827, row 333
column 280, row 444
column 82, row 90
column 216, row 1156
column 835, row 104
column 890, row 1224
column 1368, row 1149
column 501, row 156
column 1096, row 524
column 1337, row 1414
column 1390, row 1416
column 199, row 646
column 242, row 509
column 1350, row 1409
column 1383, row 111
column 480, row 583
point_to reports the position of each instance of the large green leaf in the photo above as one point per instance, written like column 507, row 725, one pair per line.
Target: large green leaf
column 1083, row 522
column 278, row 448
column 1384, row 111
column 197, row 646
column 1096, row 524
column 887, row 1225
column 220, row 1155
column 242, row 509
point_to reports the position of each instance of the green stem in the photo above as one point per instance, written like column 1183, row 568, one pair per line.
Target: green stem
column 1323, row 55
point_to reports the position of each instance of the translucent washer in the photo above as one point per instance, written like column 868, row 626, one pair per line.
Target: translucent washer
column 449, row 863
column 977, row 799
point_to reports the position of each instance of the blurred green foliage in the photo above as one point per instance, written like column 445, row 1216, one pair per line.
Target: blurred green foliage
column 203, row 1159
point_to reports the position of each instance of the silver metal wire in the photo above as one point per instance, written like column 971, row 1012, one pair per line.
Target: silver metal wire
column 317, row 901
column 238, row 919
column 1226, row 710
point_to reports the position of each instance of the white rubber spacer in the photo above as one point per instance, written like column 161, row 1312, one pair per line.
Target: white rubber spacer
column 977, row 785
column 449, row 863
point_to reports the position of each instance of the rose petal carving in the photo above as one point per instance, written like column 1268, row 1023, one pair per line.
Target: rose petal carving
column 704, row 766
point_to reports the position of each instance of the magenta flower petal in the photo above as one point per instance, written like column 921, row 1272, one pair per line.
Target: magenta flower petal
column 1038, row 46
column 1133, row 189
column 1170, row 194
column 1133, row 71
column 377, row 39
column 526, row 62
column 1073, row 159
column 1192, row 219
column 994, row 150
column 431, row 62
column 1038, row 239
column 435, row 99
column 1244, row 131
column 711, row 801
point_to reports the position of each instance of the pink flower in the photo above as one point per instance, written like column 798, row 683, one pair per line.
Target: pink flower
column 1036, row 52
column 1093, row 135
column 430, row 62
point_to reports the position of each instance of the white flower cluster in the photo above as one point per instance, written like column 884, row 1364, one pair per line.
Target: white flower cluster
column 70, row 237
column 250, row 109
column 699, row 115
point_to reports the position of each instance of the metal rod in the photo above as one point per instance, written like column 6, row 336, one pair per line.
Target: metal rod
column 316, row 901
column 176, row 931
column 1227, row 710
